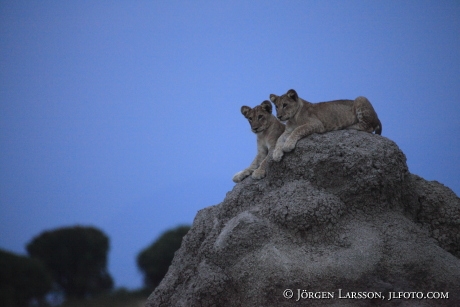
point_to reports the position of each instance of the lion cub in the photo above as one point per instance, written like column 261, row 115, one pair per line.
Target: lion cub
column 304, row 118
column 268, row 129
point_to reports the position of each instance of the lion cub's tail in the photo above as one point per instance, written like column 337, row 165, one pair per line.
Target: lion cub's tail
column 378, row 128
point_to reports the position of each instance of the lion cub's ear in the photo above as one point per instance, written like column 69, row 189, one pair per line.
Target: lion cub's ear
column 245, row 110
column 273, row 98
column 267, row 106
column 292, row 94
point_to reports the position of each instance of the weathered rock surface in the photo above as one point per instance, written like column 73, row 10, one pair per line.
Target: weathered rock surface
column 341, row 212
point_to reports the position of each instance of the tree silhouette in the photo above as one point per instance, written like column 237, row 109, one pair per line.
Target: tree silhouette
column 22, row 279
column 77, row 259
column 155, row 260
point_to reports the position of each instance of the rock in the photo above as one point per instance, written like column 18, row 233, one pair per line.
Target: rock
column 340, row 217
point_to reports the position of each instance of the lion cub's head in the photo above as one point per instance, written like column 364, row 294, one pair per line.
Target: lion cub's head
column 259, row 116
column 286, row 105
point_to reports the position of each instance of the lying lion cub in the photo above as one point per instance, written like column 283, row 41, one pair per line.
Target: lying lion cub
column 268, row 130
column 304, row 118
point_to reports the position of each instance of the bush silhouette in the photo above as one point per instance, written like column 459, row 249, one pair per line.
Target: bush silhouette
column 22, row 279
column 155, row 260
column 76, row 258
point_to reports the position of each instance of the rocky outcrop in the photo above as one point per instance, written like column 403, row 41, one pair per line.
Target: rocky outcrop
column 339, row 221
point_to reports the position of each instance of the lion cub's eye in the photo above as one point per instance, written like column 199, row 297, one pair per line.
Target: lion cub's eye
column 260, row 117
column 250, row 118
column 284, row 105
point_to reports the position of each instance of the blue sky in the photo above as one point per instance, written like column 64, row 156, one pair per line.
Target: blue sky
column 125, row 115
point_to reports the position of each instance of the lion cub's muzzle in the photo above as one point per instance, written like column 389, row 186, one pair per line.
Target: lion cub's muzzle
column 282, row 119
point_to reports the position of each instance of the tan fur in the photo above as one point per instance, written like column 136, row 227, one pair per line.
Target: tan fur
column 304, row 118
column 268, row 129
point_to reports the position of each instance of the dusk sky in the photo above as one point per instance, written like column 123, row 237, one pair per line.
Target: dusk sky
column 125, row 115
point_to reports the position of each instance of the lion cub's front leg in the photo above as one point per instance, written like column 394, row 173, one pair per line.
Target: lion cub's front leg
column 290, row 143
column 293, row 138
column 278, row 152
column 254, row 167
column 260, row 172
column 312, row 126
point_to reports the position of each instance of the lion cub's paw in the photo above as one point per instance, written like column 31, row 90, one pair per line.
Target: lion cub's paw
column 258, row 174
column 289, row 146
column 277, row 154
column 240, row 176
